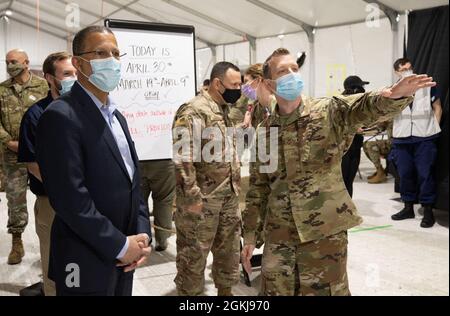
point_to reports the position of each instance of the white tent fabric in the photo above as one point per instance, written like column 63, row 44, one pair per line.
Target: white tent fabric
column 240, row 31
column 216, row 21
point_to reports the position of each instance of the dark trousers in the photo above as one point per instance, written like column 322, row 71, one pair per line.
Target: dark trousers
column 415, row 164
column 121, row 284
column 350, row 163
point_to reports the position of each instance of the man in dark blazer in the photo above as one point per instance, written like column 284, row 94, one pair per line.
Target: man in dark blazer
column 88, row 162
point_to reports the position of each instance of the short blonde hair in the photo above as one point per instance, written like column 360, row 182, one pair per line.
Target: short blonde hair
column 277, row 53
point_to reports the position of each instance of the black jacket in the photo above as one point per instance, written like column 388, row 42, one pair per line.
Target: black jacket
column 96, row 203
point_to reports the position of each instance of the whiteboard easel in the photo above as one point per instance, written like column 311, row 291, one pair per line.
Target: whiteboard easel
column 158, row 76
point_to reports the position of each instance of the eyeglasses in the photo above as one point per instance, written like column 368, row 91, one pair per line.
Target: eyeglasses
column 103, row 54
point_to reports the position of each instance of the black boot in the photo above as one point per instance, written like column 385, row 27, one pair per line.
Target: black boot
column 161, row 246
column 406, row 213
column 428, row 220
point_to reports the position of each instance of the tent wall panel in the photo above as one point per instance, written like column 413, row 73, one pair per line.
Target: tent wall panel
column 24, row 37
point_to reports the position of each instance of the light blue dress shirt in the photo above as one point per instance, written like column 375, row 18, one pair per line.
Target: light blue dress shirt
column 107, row 111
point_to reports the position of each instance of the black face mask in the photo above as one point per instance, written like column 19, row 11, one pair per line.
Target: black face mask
column 231, row 96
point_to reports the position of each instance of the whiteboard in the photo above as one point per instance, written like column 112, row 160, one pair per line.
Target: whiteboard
column 158, row 76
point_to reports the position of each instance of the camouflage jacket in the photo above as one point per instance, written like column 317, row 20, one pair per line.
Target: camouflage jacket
column 238, row 110
column 379, row 128
column 387, row 127
column 307, row 187
column 259, row 114
column 15, row 100
column 198, row 178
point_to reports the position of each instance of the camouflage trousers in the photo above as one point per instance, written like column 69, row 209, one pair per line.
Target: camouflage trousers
column 376, row 149
column 317, row 268
column 216, row 229
column 16, row 192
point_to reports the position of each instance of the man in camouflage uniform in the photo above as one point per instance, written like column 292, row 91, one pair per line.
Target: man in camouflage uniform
column 375, row 149
column 17, row 94
column 303, row 204
column 207, row 216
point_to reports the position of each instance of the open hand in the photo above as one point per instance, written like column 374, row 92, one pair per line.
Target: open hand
column 408, row 86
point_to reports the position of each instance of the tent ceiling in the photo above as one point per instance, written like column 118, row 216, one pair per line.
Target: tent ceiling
column 216, row 21
column 3, row 5
column 322, row 13
column 413, row 4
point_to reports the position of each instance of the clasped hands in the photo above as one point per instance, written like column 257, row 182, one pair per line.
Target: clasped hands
column 137, row 253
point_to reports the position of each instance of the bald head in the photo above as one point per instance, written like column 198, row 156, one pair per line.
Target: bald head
column 17, row 54
column 17, row 64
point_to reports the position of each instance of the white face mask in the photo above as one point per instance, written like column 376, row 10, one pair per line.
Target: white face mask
column 406, row 73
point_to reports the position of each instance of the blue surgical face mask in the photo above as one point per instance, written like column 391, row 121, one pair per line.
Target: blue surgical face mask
column 105, row 73
column 290, row 86
column 66, row 85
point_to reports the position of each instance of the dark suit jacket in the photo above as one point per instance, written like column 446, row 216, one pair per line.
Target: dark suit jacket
column 96, row 203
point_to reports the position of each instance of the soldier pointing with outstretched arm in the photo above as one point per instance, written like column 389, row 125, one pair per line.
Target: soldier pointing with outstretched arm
column 303, row 205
